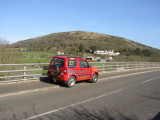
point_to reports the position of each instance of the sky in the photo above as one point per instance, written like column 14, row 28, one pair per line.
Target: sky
column 137, row 20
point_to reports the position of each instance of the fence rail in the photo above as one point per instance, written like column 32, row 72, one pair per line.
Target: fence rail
column 25, row 71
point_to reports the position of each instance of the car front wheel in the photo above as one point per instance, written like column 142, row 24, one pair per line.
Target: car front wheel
column 94, row 78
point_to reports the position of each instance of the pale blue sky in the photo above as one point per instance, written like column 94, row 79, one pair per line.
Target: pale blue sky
column 138, row 20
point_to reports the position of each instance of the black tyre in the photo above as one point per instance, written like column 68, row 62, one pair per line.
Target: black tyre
column 71, row 81
column 52, row 79
column 94, row 78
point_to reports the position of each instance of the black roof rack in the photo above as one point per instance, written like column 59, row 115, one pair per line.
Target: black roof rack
column 73, row 57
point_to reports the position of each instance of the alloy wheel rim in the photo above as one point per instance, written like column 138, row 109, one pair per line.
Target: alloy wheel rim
column 72, row 82
column 95, row 77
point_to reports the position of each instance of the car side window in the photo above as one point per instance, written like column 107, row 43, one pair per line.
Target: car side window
column 72, row 63
column 83, row 64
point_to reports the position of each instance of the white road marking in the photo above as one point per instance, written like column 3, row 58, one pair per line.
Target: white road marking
column 150, row 79
column 27, row 91
column 127, row 75
column 72, row 105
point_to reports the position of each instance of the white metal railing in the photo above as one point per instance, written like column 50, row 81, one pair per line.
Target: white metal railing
column 110, row 66
column 25, row 71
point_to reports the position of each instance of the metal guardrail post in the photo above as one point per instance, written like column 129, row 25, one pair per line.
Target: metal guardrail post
column 24, row 72
column 136, row 66
column 103, row 67
column 127, row 66
column 116, row 66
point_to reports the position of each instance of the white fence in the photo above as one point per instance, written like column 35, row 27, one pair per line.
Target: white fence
column 25, row 71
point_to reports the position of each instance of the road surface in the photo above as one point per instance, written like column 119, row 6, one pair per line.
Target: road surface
column 131, row 96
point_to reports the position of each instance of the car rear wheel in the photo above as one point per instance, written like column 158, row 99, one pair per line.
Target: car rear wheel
column 52, row 79
column 94, row 78
column 71, row 81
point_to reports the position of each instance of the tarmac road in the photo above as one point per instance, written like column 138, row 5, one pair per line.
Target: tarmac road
column 121, row 96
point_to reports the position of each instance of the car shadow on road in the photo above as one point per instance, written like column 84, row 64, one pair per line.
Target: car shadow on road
column 46, row 80
column 157, row 117
column 82, row 113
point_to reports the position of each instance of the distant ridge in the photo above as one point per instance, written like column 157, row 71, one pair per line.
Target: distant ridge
column 71, row 41
column 102, row 41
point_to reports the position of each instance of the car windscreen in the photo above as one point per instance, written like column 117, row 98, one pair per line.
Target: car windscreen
column 58, row 62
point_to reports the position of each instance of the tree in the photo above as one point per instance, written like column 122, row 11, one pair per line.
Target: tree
column 8, row 54
column 146, row 53
column 81, row 48
column 3, row 41
column 93, row 48
column 137, row 51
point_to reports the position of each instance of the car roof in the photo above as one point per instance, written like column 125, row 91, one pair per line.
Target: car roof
column 69, row 57
column 60, row 57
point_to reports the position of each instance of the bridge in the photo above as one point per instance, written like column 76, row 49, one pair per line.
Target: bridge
column 120, row 93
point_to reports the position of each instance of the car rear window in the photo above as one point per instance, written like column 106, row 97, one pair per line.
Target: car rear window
column 72, row 63
column 58, row 62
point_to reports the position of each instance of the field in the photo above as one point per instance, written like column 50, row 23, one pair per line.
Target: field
column 35, row 57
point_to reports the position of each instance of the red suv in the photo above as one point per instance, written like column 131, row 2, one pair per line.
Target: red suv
column 69, row 70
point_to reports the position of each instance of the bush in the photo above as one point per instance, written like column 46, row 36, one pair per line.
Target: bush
column 43, row 55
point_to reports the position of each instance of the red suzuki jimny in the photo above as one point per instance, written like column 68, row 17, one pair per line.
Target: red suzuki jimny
column 69, row 70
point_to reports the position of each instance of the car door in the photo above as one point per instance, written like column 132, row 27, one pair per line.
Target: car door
column 72, row 67
column 84, row 71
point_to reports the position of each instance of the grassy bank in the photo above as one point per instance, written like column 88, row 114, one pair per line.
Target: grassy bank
column 35, row 57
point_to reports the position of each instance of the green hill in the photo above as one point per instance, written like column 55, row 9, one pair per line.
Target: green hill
column 80, row 42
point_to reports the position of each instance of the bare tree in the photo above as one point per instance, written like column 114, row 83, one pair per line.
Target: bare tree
column 7, row 53
column 3, row 41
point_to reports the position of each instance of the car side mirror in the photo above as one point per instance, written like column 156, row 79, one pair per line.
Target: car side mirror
column 89, row 66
